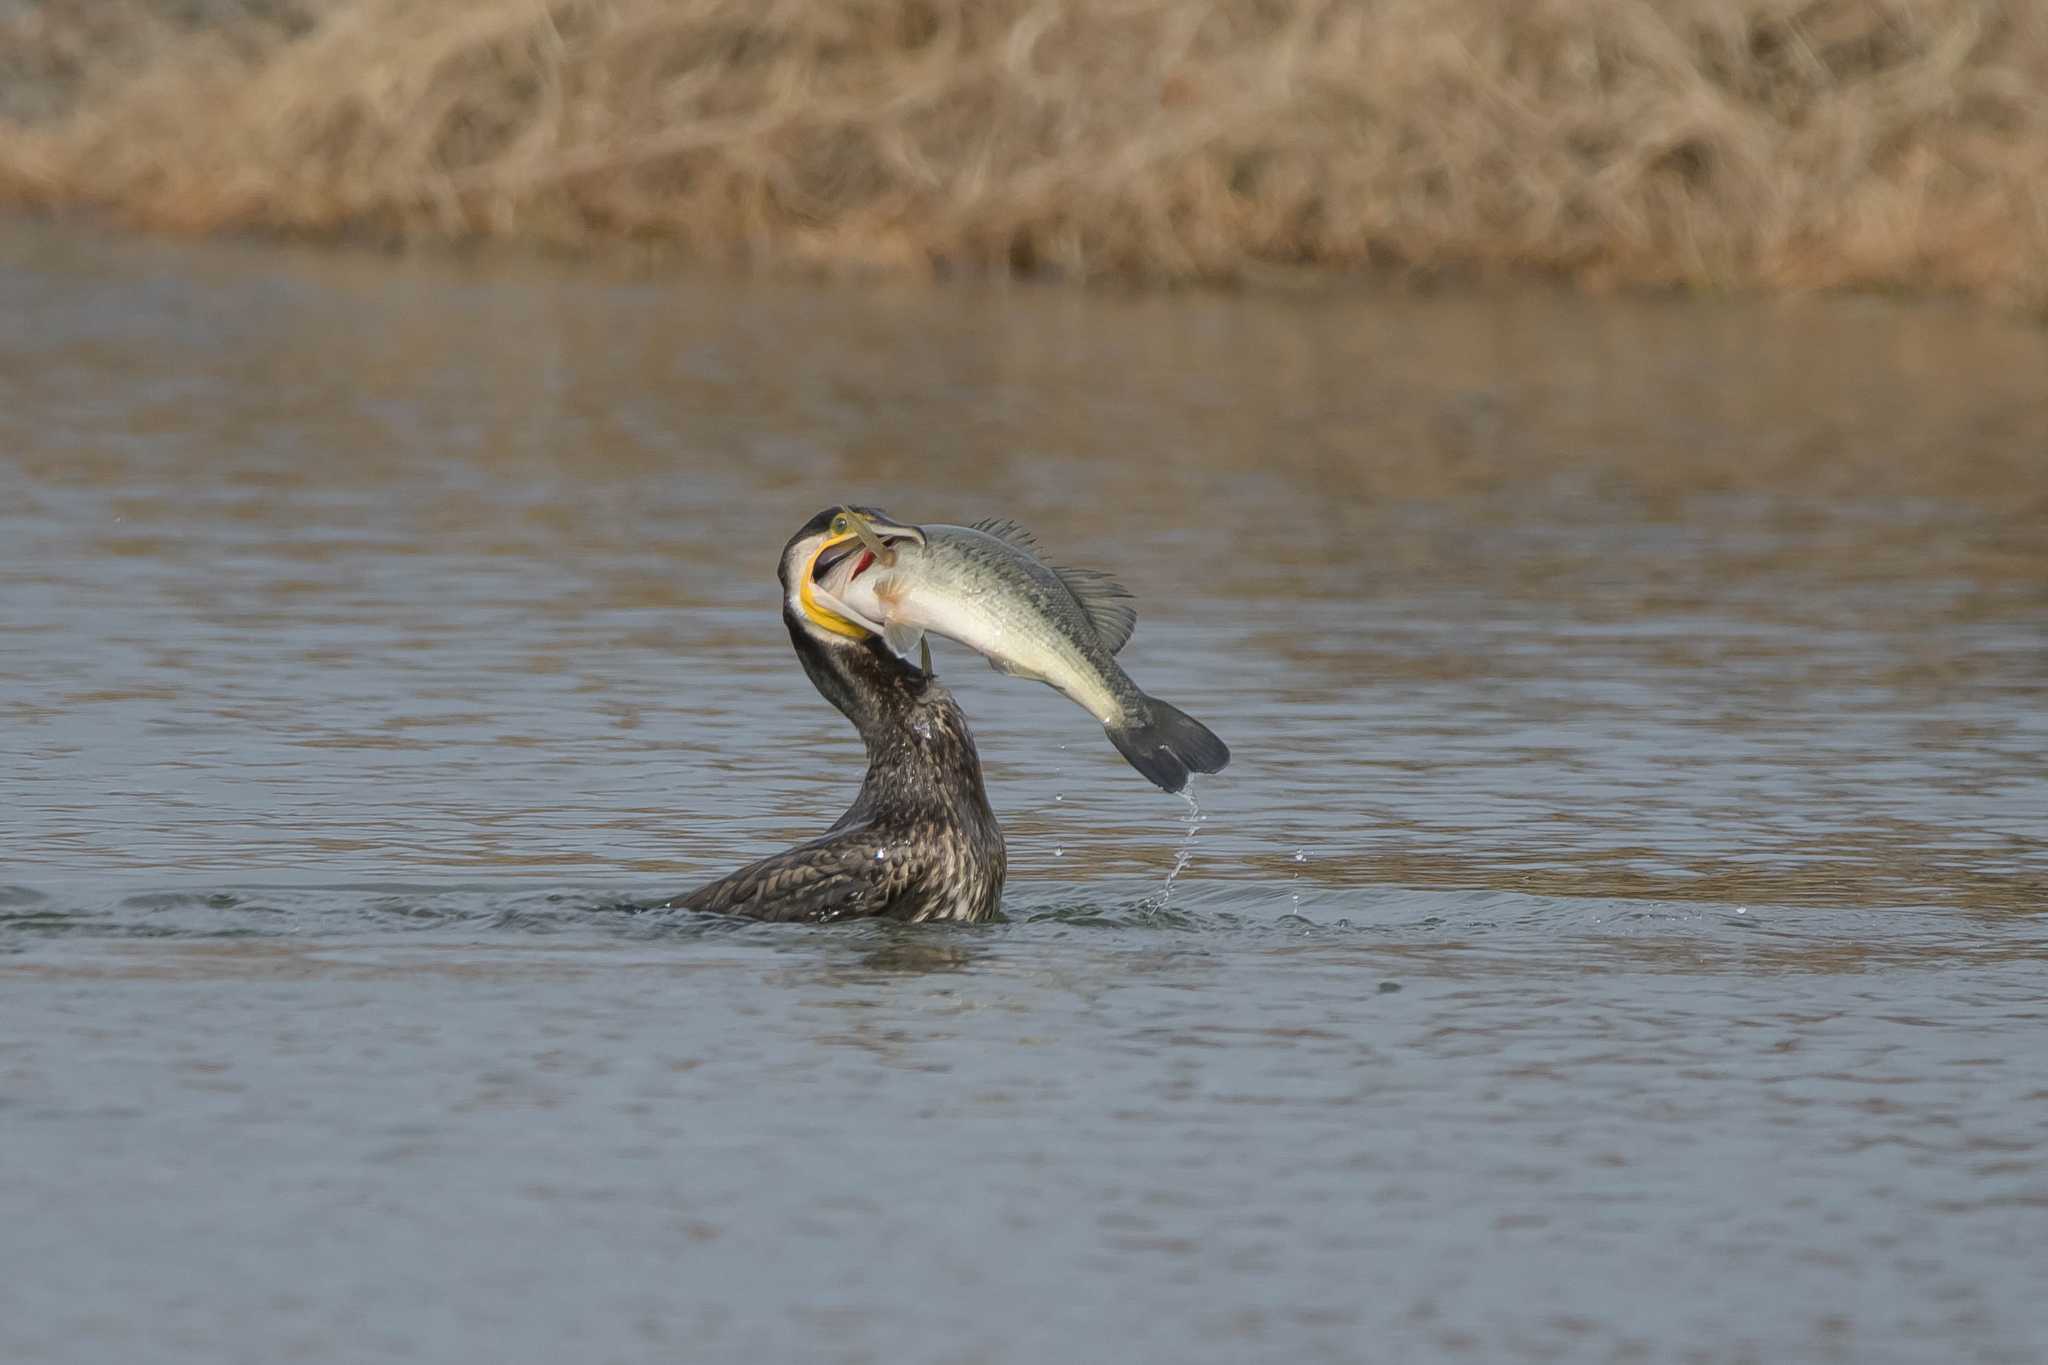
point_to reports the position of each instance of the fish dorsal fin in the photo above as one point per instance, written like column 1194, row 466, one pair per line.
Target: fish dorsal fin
column 1107, row 603
column 1003, row 529
column 1102, row 597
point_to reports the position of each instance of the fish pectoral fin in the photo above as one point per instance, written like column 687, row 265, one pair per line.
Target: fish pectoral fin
column 1010, row 670
column 1107, row 603
column 903, row 639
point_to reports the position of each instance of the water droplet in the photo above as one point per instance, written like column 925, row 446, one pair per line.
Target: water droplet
column 1186, row 853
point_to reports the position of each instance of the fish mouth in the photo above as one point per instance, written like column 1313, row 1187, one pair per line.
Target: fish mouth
column 869, row 538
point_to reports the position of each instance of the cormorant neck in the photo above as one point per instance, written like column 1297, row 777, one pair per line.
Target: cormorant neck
column 912, row 727
column 880, row 693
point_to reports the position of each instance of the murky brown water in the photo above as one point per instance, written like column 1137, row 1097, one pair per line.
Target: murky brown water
column 1620, row 935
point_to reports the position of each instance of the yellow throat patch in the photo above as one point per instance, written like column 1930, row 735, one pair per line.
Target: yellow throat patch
column 818, row 613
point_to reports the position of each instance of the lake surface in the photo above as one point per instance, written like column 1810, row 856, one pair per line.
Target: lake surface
column 1621, row 935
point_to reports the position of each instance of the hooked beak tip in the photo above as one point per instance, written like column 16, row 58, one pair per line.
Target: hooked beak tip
column 886, row 526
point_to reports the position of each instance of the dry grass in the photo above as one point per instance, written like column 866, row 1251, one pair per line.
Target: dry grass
column 1774, row 144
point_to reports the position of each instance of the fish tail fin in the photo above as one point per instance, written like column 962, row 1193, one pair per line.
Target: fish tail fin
column 1165, row 743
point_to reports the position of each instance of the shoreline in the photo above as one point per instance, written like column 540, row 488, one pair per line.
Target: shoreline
column 1666, row 146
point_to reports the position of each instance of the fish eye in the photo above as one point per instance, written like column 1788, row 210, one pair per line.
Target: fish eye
column 840, row 525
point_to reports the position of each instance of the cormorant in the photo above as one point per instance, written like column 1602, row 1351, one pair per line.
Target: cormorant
column 919, row 842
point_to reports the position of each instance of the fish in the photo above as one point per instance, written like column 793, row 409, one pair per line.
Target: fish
column 987, row 586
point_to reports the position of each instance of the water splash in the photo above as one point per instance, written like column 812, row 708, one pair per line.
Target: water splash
column 1186, row 853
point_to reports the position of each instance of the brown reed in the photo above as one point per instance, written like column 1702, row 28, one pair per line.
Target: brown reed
column 1719, row 144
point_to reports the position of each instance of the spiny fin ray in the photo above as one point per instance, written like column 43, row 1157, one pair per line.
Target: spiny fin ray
column 1003, row 529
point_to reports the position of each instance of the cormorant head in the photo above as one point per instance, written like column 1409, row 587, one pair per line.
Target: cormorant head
column 825, row 540
column 842, row 653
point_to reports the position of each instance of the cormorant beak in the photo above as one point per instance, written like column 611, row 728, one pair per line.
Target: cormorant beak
column 872, row 535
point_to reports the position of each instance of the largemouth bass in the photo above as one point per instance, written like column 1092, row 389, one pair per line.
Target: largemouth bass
column 986, row 587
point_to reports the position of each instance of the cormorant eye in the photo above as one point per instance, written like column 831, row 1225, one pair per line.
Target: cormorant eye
column 839, row 525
